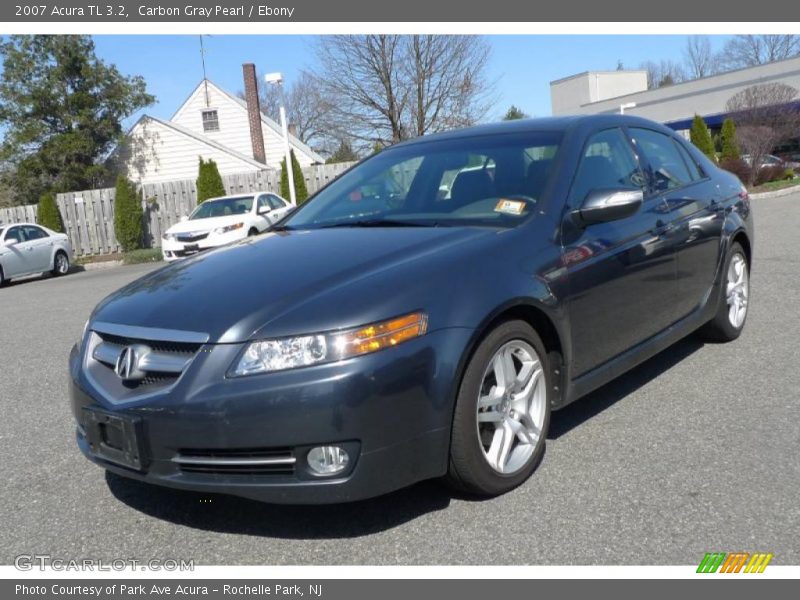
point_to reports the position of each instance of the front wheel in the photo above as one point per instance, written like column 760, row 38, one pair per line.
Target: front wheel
column 729, row 321
column 502, row 412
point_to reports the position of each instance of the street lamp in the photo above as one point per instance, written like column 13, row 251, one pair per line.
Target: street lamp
column 277, row 79
column 622, row 107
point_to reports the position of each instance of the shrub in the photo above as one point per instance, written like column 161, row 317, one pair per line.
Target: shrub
column 209, row 181
column 767, row 174
column 127, row 215
column 701, row 137
column 300, row 189
column 730, row 147
column 738, row 167
column 48, row 215
column 789, row 173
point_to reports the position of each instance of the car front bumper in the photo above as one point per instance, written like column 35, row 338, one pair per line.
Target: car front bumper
column 172, row 249
column 390, row 410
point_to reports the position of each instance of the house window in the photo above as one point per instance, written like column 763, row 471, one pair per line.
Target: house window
column 210, row 120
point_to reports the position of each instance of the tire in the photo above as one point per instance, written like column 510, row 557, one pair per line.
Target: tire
column 727, row 324
column 253, row 231
column 3, row 279
column 476, row 465
column 60, row 264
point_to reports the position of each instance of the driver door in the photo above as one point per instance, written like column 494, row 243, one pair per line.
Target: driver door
column 622, row 273
column 17, row 258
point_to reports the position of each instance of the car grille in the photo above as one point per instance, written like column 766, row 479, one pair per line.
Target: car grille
column 191, row 237
column 249, row 461
column 159, row 362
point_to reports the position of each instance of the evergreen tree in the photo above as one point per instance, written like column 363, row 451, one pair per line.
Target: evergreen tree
column 300, row 189
column 127, row 215
column 514, row 113
column 730, row 147
column 47, row 213
column 209, row 181
column 62, row 110
column 344, row 153
column 701, row 137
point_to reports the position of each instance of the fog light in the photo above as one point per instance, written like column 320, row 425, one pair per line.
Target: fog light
column 328, row 460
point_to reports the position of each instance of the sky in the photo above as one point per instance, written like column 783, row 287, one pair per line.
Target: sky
column 521, row 65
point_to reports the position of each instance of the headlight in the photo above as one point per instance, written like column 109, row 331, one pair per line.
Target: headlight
column 226, row 229
column 169, row 236
column 301, row 351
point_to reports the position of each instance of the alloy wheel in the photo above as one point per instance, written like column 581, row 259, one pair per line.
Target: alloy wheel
column 737, row 290
column 62, row 264
column 511, row 407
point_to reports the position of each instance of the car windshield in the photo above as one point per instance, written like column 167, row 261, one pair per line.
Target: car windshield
column 223, row 207
column 480, row 181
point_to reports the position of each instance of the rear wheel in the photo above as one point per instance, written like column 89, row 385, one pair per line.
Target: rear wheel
column 3, row 279
column 253, row 231
column 60, row 264
column 502, row 412
column 731, row 315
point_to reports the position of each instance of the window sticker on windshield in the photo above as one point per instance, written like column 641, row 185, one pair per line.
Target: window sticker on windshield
column 510, row 207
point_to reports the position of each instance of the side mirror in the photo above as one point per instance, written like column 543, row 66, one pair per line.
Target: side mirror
column 262, row 210
column 184, row 218
column 10, row 241
column 604, row 205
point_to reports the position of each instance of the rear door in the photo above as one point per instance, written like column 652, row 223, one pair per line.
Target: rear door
column 622, row 273
column 279, row 207
column 693, row 214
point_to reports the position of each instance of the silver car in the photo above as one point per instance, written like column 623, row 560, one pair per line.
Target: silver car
column 27, row 249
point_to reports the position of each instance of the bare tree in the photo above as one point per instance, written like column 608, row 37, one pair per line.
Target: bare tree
column 765, row 117
column 662, row 73
column 751, row 50
column 387, row 88
column 698, row 57
column 306, row 108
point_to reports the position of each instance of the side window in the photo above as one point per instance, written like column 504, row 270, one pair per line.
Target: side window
column 16, row 232
column 668, row 169
column 276, row 202
column 35, row 233
column 694, row 169
column 263, row 202
column 608, row 161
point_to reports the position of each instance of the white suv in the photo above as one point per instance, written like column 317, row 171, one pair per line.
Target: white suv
column 220, row 221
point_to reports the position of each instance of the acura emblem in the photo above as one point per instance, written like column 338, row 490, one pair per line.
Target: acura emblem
column 127, row 367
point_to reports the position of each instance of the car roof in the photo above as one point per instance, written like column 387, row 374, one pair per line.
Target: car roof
column 562, row 124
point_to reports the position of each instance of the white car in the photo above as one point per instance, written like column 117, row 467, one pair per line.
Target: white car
column 27, row 249
column 220, row 221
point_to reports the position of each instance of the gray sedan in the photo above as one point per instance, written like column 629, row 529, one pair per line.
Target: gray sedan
column 28, row 249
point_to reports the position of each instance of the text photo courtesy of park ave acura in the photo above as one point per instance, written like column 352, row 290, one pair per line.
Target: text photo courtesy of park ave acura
column 397, row 299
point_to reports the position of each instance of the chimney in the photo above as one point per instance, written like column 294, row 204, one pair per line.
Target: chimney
column 254, row 112
column 292, row 129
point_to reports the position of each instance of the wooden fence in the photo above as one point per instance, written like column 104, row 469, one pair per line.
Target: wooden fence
column 89, row 215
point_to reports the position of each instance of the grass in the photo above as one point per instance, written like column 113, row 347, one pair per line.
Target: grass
column 780, row 184
column 145, row 255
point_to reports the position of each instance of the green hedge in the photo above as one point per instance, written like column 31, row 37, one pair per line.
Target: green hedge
column 209, row 181
column 300, row 190
column 48, row 215
column 127, row 215
column 701, row 137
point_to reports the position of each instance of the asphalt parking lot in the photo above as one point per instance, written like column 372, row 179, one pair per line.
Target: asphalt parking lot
column 696, row 450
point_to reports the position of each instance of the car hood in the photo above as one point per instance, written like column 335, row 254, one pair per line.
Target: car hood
column 203, row 225
column 233, row 293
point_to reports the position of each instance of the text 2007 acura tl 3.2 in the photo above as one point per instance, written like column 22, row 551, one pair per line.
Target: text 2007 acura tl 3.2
column 420, row 317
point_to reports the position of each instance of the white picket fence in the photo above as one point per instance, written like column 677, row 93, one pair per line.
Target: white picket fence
column 89, row 215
